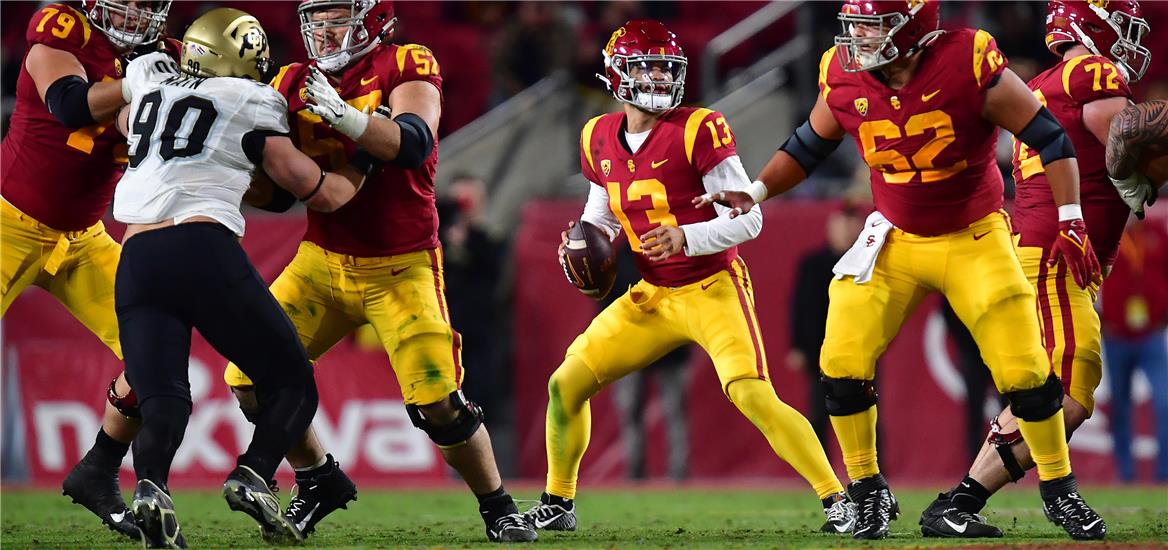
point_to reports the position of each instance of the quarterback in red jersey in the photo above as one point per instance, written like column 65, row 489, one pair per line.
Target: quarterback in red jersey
column 646, row 164
column 377, row 260
column 1101, row 54
column 923, row 106
column 60, row 162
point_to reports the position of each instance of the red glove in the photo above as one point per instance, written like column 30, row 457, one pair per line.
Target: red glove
column 1074, row 247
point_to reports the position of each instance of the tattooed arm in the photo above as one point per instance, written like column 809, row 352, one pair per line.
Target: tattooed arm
column 1133, row 129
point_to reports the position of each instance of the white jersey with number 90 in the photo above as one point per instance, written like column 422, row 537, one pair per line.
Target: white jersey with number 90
column 186, row 143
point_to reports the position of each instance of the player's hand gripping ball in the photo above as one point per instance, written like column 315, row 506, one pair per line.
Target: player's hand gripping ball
column 588, row 259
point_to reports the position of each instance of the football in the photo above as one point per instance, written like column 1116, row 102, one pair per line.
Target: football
column 590, row 260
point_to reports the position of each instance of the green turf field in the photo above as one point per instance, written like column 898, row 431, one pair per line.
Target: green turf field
column 626, row 518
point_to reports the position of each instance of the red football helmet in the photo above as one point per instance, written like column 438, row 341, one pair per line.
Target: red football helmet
column 368, row 23
column 877, row 32
column 139, row 25
column 1112, row 29
column 644, row 66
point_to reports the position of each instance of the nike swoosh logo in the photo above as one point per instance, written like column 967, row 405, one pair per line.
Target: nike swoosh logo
column 1092, row 524
column 539, row 524
column 396, row 272
column 658, row 163
column 708, row 285
column 959, row 528
column 874, row 224
column 366, row 81
column 978, row 237
column 926, row 97
column 307, row 517
column 117, row 517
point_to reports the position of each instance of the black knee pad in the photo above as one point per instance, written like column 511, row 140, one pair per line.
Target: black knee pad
column 125, row 404
column 468, row 421
column 846, row 396
column 1039, row 403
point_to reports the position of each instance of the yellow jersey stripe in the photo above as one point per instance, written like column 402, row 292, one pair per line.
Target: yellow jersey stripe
column 823, row 67
column 586, row 141
column 691, row 131
column 981, row 41
column 85, row 30
column 1070, row 68
column 275, row 83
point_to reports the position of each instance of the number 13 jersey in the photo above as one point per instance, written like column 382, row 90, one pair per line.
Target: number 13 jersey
column 187, row 152
column 930, row 152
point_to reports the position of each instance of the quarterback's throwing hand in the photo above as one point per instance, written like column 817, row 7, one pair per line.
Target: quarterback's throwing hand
column 325, row 102
column 663, row 242
column 739, row 202
column 1074, row 247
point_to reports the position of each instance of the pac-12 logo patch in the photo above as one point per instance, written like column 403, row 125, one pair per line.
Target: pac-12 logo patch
column 605, row 166
column 861, row 106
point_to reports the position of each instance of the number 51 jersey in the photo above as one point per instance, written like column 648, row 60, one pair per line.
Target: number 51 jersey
column 930, row 152
column 189, row 148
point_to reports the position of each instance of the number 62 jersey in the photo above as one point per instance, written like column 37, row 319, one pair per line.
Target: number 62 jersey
column 930, row 152
column 189, row 150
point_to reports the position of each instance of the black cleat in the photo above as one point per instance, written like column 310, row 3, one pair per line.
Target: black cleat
column 511, row 528
column 841, row 514
column 315, row 497
column 155, row 517
column 552, row 513
column 943, row 519
column 876, row 507
column 96, row 488
column 1064, row 507
column 247, row 492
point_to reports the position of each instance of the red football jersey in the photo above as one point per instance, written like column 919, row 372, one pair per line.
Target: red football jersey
column 930, row 152
column 63, row 178
column 394, row 211
column 1064, row 89
column 655, row 186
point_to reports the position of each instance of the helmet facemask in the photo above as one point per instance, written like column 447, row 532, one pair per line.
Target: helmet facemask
column 651, row 82
column 1129, row 55
column 356, row 41
column 141, row 25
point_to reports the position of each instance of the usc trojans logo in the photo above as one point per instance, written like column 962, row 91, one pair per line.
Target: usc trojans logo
column 1098, row 3
column 612, row 40
column 861, row 106
column 632, row 167
column 605, row 166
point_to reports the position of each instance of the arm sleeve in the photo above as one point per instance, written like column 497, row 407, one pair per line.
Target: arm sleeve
column 597, row 212
column 722, row 232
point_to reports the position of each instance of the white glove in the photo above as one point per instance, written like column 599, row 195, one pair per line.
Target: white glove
column 1136, row 191
column 325, row 102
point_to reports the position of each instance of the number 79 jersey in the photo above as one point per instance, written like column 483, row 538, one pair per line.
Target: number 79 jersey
column 187, row 152
column 655, row 186
column 930, row 151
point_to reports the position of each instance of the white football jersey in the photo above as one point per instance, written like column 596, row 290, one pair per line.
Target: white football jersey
column 186, row 143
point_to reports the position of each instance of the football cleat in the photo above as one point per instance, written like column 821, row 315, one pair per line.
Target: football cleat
column 840, row 512
column 942, row 519
column 511, row 528
column 155, row 517
column 315, row 497
column 552, row 513
column 245, row 491
column 96, row 488
column 876, row 507
column 1064, row 507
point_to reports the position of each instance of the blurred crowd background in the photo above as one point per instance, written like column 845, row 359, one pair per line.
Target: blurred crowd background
column 518, row 84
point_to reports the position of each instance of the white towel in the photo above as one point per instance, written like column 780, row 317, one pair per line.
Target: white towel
column 860, row 260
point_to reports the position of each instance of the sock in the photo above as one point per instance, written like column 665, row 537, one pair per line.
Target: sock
column 107, row 452
column 1047, row 439
column 857, row 438
column 569, row 424
column 789, row 433
column 969, row 496
column 323, row 467
column 496, row 504
column 565, row 503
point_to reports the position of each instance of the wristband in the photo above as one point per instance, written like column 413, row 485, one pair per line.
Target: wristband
column 757, row 191
column 1070, row 212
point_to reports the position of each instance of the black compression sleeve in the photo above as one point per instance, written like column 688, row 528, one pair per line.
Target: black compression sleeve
column 68, row 99
column 416, row 141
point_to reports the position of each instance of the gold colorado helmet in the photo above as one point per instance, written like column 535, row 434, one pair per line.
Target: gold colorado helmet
column 226, row 42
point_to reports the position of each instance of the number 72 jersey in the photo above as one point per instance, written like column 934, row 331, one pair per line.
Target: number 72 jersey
column 930, row 151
